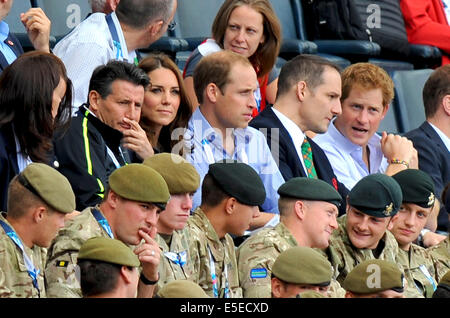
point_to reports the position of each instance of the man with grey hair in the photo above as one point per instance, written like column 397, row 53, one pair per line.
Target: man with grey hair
column 134, row 24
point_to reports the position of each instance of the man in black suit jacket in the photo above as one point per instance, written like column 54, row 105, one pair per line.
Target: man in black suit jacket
column 309, row 88
column 432, row 138
column 37, row 26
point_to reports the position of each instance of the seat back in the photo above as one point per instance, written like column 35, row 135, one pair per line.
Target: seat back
column 194, row 19
column 408, row 101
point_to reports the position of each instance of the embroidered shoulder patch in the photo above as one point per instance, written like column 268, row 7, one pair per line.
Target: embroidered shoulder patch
column 258, row 273
column 62, row 263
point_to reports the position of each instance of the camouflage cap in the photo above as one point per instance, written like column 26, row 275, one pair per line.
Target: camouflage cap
column 50, row 185
column 310, row 189
column 377, row 195
column 108, row 250
column 417, row 187
column 179, row 174
column 138, row 182
column 239, row 181
column 310, row 294
column 373, row 276
column 302, row 265
column 181, row 289
column 445, row 280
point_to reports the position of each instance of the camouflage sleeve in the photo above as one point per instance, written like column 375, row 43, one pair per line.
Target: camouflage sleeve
column 255, row 261
column 235, row 288
column 62, row 275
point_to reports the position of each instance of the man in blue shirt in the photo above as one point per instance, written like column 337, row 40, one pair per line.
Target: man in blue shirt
column 37, row 26
column 351, row 143
column 224, row 83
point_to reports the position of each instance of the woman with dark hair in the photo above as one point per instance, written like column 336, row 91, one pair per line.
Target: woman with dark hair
column 250, row 28
column 166, row 105
column 35, row 100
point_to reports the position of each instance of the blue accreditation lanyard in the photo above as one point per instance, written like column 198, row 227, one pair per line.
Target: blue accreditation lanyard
column 212, row 266
column 103, row 222
column 116, row 40
column 177, row 258
column 32, row 271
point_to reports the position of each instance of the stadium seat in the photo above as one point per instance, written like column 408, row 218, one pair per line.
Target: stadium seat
column 354, row 50
column 408, row 101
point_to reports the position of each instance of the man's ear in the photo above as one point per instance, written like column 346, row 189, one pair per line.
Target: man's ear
column 276, row 287
column 446, row 103
column 211, row 92
column 385, row 110
column 300, row 90
column 300, row 209
column 94, row 98
column 126, row 274
column 392, row 221
column 39, row 213
column 230, row 205
column 155, row 27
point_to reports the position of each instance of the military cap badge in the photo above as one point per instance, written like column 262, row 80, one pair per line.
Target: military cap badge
column 431, row 199
column 388, row 210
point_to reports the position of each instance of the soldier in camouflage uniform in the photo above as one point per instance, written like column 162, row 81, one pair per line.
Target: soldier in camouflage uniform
column 418, row 201
column 39, row 199
column 363, row 231
column 182, row 180
column 231, row 194
column 308, row 210
column 129, row 211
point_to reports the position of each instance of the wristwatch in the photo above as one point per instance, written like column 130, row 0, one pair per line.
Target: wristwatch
column 146, row 281
column 421, row 235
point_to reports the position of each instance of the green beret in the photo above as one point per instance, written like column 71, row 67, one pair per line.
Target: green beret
column 377, row 195
column 179, row 174
column 181, row 289
column 373, row 276
column 310, row 189
column 239, row 181
column 50, row 185
column 417, row 187
column 302, row 265
column 108, row 250
column 445, row 280
column 138, row 182
column 310, row 294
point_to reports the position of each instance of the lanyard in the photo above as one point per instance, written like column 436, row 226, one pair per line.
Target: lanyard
column 424, row 270
column 103, row 222
column 177, row 258
column 115, row 37
column 210, row 156
column 212, row 266
column 32, row 271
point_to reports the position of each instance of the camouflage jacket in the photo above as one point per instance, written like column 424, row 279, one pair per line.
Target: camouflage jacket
column 61, row 271
column 256, row 255
column 14, row 278
column 441, row 257
column 207, row 249
column 171, row 267
column 419, row 270
column 344, row 256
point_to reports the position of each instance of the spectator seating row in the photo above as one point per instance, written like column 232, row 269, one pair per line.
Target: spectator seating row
column 193, row 24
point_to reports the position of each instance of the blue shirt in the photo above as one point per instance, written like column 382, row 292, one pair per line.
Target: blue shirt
column 250, row 147
column 346, row 157
column 7, row 52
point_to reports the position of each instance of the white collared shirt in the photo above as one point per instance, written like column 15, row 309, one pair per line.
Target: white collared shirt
column 295, row 132
column 443, row 137
column 346, row 158
column 89, row 45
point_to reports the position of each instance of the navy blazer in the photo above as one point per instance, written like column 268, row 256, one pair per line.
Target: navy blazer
column 15, row 45
column 289, row 163
column 434, row 159
column 8, row 162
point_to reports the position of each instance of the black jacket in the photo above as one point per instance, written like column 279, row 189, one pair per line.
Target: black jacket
column 83, row 156
column 289, row 164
